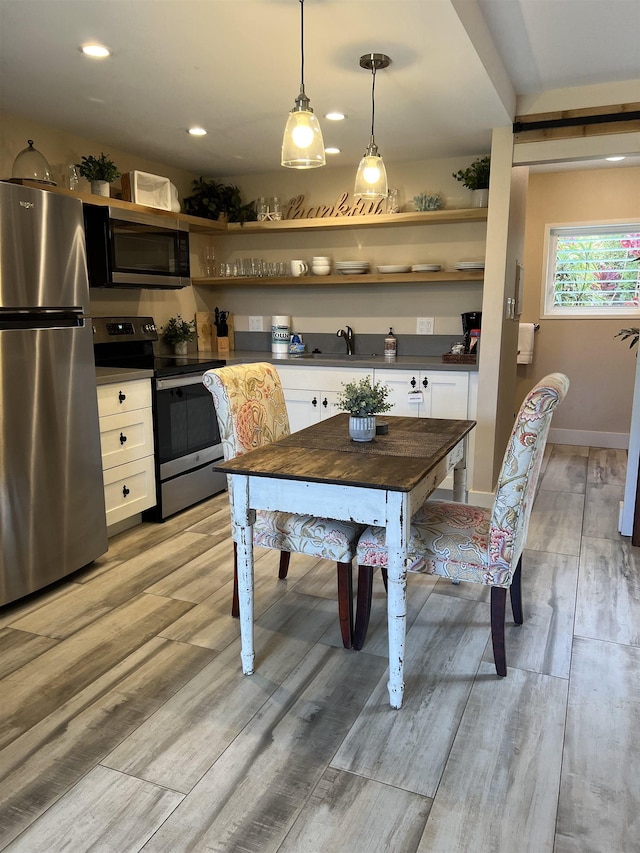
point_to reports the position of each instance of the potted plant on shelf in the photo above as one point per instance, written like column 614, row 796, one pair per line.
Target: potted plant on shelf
column 100, row 172
column 214, row 200
column 476, row 178
column 363, row 401
column 177, row 333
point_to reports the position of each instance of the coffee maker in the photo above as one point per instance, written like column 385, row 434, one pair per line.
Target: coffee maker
column 470, row 320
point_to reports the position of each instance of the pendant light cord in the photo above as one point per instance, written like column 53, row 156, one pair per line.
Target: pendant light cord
column 302, row 45
column 373, row 100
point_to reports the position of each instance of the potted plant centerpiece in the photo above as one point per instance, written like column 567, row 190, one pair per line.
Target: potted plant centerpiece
column 363, row 401
column 177, row 333
column 214, row 200
column 476, row 178
column 100, row 172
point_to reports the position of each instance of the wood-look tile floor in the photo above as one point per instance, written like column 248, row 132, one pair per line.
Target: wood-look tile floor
column 126, row 724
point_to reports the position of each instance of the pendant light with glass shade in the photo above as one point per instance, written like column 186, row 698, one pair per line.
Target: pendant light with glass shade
column 302, row 144
column 371, row 178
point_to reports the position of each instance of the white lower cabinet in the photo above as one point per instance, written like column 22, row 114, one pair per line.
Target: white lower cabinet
column 126, row 437
column 427, row 393
column 311, row 393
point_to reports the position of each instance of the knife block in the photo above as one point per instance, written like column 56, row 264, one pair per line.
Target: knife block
column 208, row 340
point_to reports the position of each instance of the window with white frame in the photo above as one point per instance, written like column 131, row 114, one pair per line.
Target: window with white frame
column 593, row 270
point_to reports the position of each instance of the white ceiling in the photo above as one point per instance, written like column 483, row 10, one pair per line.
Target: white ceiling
column 233, row 66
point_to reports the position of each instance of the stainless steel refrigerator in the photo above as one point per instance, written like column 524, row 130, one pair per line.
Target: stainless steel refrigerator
column 52, row 515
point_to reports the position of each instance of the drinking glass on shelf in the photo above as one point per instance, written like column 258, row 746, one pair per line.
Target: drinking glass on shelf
column 275, row 209
column 262, row 209
column 209, row 261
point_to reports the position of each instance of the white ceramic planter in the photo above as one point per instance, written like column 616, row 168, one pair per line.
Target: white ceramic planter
column 479, row 198
column 180, row 348
column 362, row 429
column 100, row 188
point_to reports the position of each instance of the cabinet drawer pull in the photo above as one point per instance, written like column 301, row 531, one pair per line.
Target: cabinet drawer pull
column 425, row 382
column 314, row 402
column 125, row 491
column 121, row 397
column 325, row 402
column 413, row 382
column 123, row 438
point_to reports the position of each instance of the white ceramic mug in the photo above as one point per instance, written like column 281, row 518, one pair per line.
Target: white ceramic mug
column 299, row 268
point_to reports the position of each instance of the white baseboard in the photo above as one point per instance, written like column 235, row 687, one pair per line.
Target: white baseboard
column 586, row 438
column 484, row 499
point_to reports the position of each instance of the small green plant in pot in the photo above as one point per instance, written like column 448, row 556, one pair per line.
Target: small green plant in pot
column 99, row 171
column 476, row 178
column 177, row 333
column 214, row 200
column 363, row 400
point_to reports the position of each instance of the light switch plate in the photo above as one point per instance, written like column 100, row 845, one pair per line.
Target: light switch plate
column 255, row 324
column 424, row 326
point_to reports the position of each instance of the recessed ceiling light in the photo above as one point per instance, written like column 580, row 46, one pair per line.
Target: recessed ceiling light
column 616, row 158
column 96, row 51
column 335, row 116
column 331, row 150
column 197, row 131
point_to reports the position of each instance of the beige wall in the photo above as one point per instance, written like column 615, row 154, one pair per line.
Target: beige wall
column 601, row 369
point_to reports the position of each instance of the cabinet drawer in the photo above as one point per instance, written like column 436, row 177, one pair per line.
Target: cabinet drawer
column 321, row 378
column 125, row 437
column 128, row 489
column 124, row 396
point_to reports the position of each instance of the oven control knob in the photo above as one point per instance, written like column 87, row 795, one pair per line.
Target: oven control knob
column 148, row 328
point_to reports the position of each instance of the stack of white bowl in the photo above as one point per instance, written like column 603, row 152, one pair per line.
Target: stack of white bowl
column 321, row 265
column 352, row 267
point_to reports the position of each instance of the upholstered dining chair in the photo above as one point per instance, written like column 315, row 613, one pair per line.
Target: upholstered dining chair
column 472, row 543
column 251, row 413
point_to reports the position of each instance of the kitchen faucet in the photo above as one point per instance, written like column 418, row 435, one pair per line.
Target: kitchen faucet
column 348, row 337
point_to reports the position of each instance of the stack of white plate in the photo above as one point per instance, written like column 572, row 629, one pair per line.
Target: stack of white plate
column 470, row 265
column 391, row 268
column 352, row 267
column 426, row 268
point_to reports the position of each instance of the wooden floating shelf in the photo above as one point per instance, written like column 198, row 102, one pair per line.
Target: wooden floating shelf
column 431, row 217
column 198, row 225
column 322, row 280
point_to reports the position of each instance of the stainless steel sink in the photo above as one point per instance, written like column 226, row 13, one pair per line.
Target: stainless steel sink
column 342, row 356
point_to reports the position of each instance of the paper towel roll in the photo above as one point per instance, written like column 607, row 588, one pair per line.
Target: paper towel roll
column 280, row 334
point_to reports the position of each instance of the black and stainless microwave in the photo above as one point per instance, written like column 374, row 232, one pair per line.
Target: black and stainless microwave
column 134, row 249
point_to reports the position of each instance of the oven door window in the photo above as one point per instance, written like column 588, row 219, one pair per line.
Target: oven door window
column 144, row 248
column 186, row 421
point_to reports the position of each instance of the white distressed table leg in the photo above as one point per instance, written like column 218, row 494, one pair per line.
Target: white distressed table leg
column 396, row 539
column 460, row 493
column 244, row 518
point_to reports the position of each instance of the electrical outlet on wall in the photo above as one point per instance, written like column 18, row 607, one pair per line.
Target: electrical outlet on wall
column 424, row 326
column 255, row 324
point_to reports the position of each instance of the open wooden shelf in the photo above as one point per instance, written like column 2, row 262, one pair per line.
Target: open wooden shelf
column 197, row 225
column 323, row 280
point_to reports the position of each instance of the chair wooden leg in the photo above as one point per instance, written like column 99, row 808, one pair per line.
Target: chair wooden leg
column 498, row 606
column 516, row 594
column 235, row 604
column 345, row 603
column 285, row 556
column 363, row 608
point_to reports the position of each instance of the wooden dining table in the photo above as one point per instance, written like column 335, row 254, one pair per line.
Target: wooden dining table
column 320, row 471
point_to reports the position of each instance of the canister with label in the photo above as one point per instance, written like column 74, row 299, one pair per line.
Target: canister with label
column 280, row 334
column 390, row 347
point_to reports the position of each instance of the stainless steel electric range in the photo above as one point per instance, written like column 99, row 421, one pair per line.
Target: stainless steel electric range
column 187, row 440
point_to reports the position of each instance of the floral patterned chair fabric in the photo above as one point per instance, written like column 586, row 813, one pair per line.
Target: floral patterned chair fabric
column 252, row 412
column 472, row 543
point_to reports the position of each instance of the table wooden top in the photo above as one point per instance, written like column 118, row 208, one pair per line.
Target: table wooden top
column 324, row 453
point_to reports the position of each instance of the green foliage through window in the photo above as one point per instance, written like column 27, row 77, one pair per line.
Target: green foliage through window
column 595, row 268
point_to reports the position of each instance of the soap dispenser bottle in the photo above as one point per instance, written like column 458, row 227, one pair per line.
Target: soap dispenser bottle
column 390, row 346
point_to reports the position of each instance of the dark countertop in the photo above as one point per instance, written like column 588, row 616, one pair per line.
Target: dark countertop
column 108, row 375
column 402, row 362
